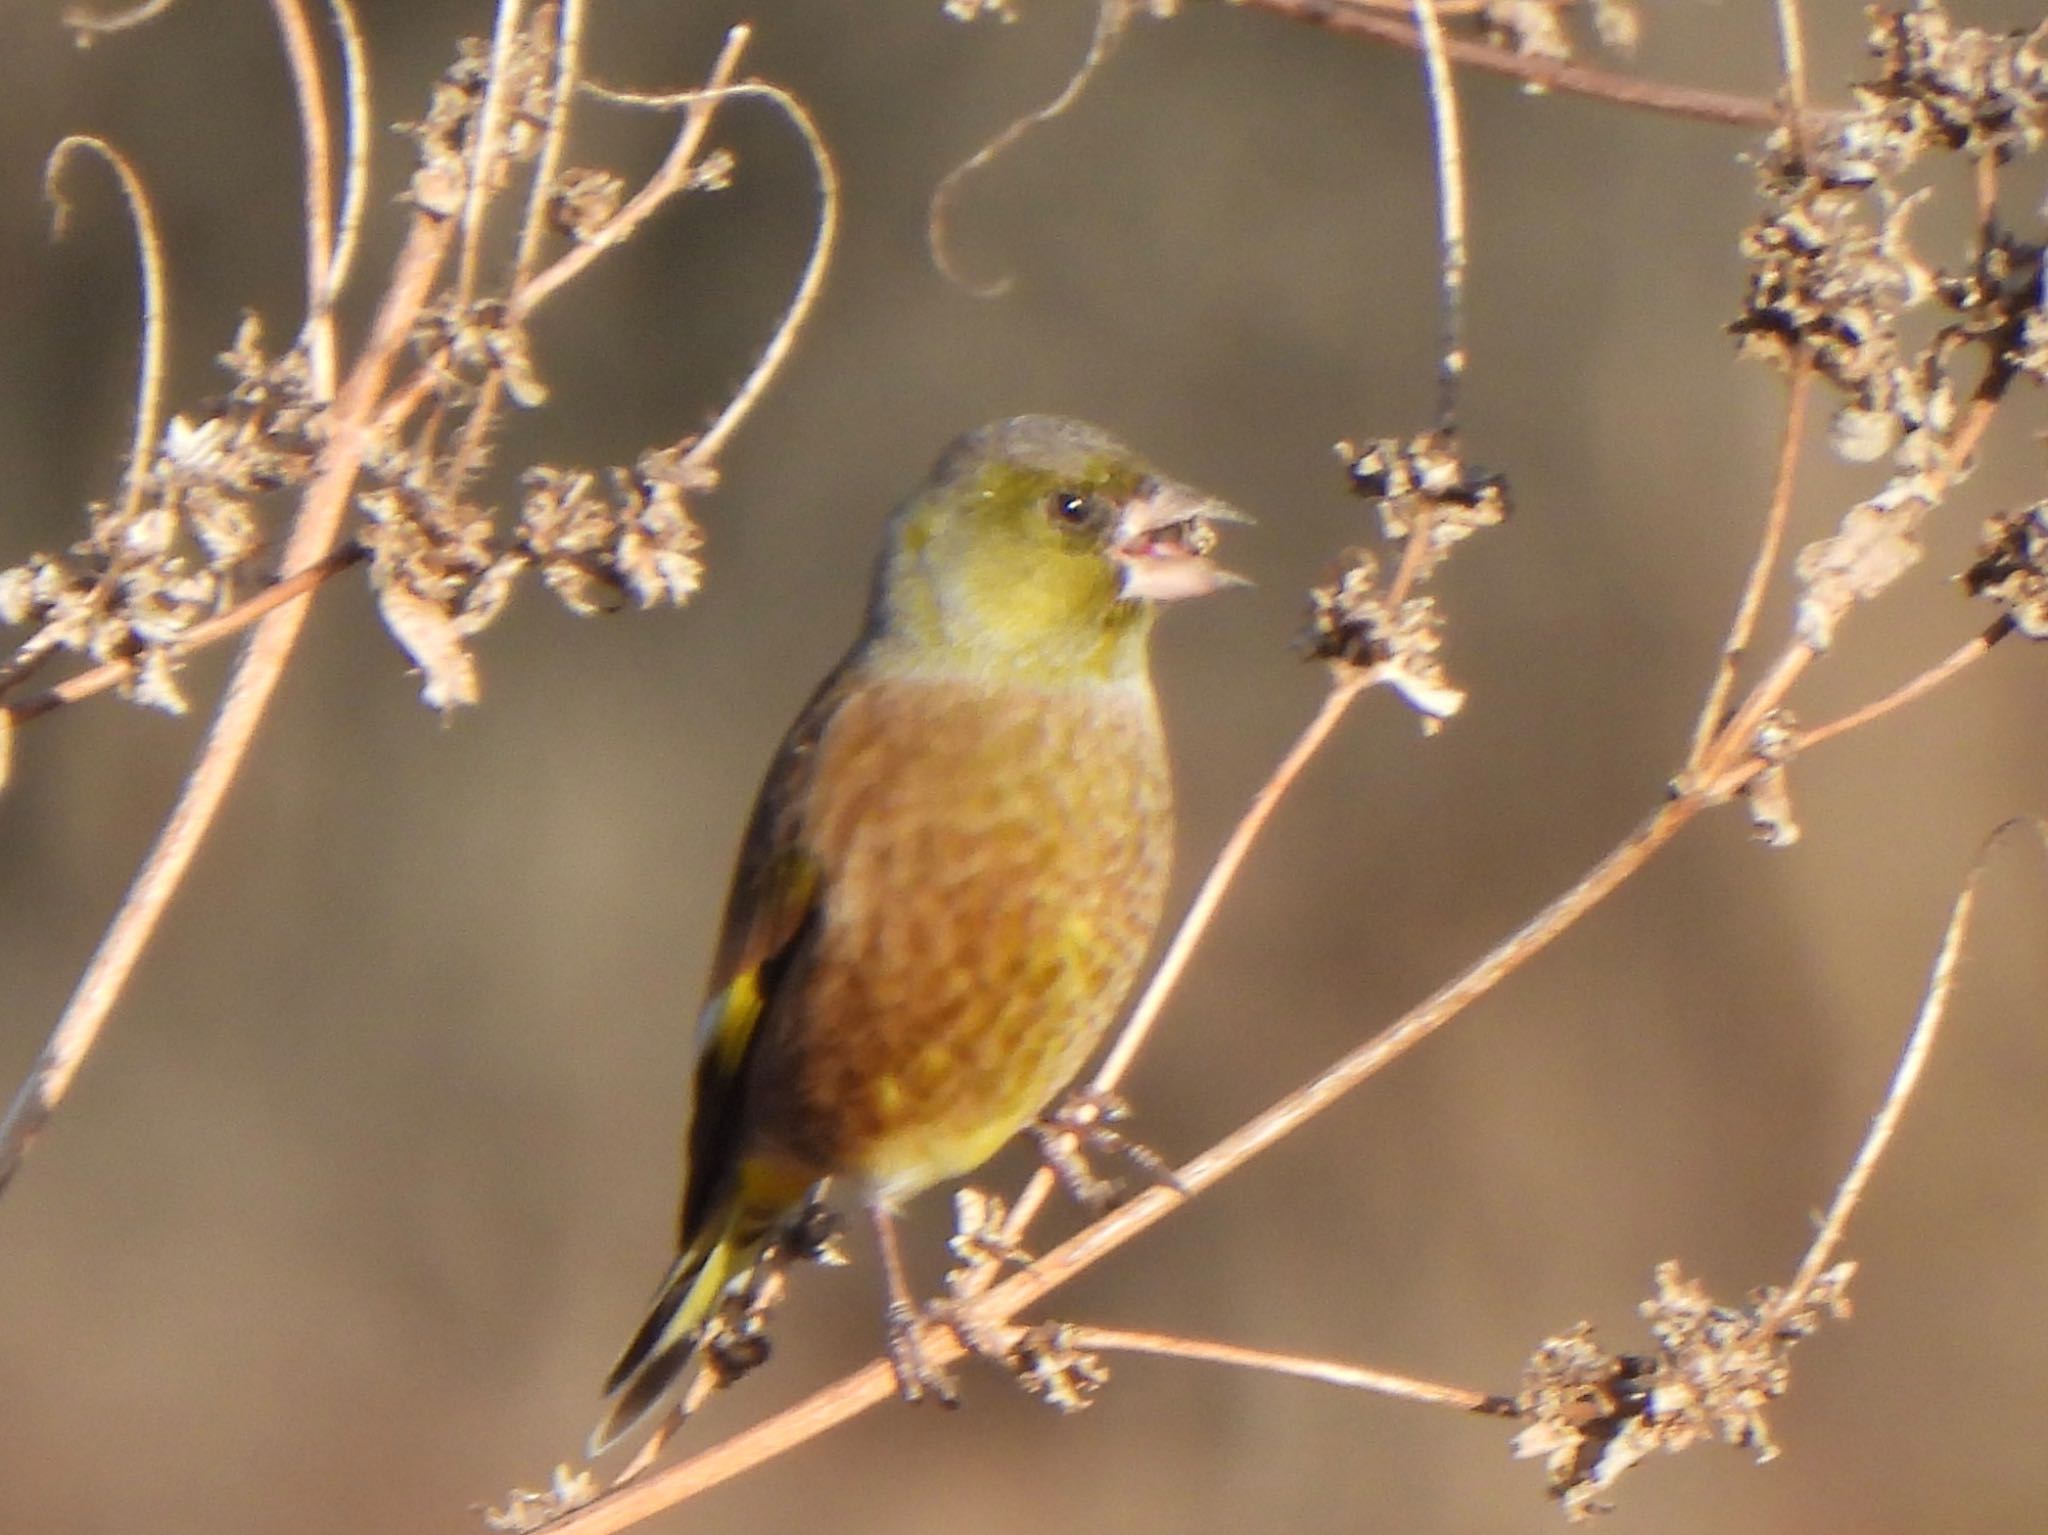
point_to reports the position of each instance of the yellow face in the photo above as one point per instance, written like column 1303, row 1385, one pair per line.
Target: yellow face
column 1037, row 550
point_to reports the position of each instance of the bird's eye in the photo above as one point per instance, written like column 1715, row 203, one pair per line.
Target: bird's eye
column 1071, row 509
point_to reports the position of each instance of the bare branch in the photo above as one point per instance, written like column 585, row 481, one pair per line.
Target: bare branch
column 1912, row 1063
column 1747, row 609
column 249, row 690
column 490, row 127
column 1357, row 18
column 149, row 254
column 1111, row 19
column 111, row 674
column 1450, row 192
column 355, row 180
column 90, row 26
column 670, row 177
column 309, row 94
column 1329, row 1372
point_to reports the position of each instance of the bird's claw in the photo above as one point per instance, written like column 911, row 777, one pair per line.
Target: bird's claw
column 1086, row 1122
column 917, row 1378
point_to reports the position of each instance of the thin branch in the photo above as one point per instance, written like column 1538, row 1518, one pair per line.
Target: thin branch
column 355, row 179
column 249, row 692
column 533, row 224
column 1356, row 19
column 91, row 26
column 1112, row 17
column 149, row 256
column 670, row 177
column 1730, row 760
column 490, row 126
column 316, row 139
column 1743, row 628
column 824, row 241
column 110, row 674
column 1792, row 59
column 1450, row 191
column 1935, row 675
column 1912, row 1064
column 1329, row 1372
column 809, row 286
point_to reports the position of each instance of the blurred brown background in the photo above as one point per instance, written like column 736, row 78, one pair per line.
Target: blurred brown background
column 374, row 1168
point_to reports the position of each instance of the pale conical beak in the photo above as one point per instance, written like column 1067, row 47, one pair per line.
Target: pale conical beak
column 1163, row 543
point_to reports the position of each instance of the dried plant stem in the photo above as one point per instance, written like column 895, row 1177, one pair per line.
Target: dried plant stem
column 248, row 694
column 149, row 256
column 1912, row 1064
column 1792, row 59
column 355, row 180
column 533, row 225
column 1360, row 18
column 1450, row 194
column 1329, row 1372
column 1970, row 650
column 824, row 241
column 1743, row 629
column 483, row 157
column 672, row 176
column 90, row 26
column 109, row 674
column 1729, row 760
column 1111, row 18
column 316, row 142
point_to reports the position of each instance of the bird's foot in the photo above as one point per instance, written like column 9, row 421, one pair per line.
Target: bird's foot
column 1086, row 1122
column 917, row 1378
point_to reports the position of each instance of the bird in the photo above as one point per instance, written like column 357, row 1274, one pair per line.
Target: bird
column 955, row 865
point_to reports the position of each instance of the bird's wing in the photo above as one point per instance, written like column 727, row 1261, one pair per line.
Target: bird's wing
column 770, row 914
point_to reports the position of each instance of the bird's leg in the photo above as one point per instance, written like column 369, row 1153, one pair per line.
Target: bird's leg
column 916, row 1376
column 1086, row 1122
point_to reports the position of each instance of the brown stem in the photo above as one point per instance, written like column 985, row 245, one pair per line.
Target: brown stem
column 221, row 626
column 1330, row 1372
column 249, row 691
column 1743, row 628
column 1353, row 19
column 1918, row 687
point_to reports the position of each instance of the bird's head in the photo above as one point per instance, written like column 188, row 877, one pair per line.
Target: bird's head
column 1037, row 549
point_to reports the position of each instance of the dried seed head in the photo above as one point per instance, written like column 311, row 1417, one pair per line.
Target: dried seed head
column 1715, row 1368
column 2011, row 568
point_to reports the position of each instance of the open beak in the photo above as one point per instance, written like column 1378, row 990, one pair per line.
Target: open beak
column 1163, row 543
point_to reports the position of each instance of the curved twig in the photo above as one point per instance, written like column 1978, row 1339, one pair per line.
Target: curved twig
column 1352, row 18
column 316, row 139
column 249, row 691
column 670, row 177
column 824, row 241
column 355, row 179
column 1111, row 19
column 1450, row 192
column 149, row 251
column 1912, row 1063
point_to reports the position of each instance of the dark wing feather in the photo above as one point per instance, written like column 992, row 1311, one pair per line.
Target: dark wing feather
column 770, row 915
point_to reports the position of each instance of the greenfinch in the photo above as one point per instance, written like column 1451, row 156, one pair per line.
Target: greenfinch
column 954, row 867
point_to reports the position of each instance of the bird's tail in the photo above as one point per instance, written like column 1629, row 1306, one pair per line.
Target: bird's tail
column 726, row 1241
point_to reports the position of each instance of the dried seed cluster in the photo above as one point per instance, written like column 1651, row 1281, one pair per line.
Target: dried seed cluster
column 1832, row 277
column 1429, row 501
column 182, row 542
column 171, row 552
column 1715, row 1368
column 2012, row 568
column 1543, row 28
